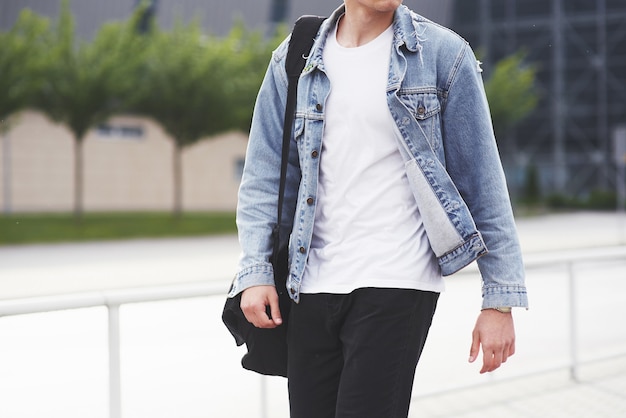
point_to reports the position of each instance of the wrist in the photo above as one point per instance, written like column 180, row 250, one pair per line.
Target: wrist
column 501, row 309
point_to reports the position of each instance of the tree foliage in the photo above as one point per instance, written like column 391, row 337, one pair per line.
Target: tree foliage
column 511, row 91
column 88, row 81
column 197, row 85
column 249, row 56
column 23, row 62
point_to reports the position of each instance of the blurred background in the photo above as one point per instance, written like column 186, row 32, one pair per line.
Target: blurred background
column 123, row 129
column 135, row 105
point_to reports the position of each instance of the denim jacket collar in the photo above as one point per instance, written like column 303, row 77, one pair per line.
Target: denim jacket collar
column 405, row 33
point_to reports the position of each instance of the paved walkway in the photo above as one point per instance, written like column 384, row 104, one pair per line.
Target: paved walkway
column 600, row 390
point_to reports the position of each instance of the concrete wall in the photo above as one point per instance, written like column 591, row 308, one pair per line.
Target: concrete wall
column 212, row 172
column 126, row 172
column 122, row 171
column 37, row 164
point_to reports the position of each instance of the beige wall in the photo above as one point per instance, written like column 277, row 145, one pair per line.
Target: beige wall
column 211, row 176
column 40, row 164
column 128, row 173
column 121, row 171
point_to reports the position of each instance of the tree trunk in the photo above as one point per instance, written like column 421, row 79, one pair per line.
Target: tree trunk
column 178, row 181
column 78, row 179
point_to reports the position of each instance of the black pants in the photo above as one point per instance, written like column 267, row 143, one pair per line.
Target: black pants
column 355, row 355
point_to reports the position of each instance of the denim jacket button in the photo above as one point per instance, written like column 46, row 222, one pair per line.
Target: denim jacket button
column 293, row 291
column 318, row 107
column 421, row 110
column 314, row 154
column 302, row 250
column 310, row 201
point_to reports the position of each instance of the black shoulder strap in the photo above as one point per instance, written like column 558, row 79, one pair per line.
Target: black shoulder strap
column 302, row 37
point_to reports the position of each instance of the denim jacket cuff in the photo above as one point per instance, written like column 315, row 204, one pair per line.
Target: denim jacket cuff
column 256, row 275
column 504, row 295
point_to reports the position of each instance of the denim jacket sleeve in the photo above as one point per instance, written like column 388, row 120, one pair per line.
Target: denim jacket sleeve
column 473, row 162
column 258, row 192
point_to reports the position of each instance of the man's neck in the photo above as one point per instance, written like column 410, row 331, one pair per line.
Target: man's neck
column 361, row 25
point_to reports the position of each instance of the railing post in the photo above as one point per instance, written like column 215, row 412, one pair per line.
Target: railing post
column 264, row 412
column 573, row 320
column 115, row 393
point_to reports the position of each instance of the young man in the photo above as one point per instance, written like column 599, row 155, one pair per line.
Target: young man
column 394, row 181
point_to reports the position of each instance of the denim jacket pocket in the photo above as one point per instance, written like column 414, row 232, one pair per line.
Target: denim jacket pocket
column 426, row 109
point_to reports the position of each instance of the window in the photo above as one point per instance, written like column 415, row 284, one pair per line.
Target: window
column 111, row 131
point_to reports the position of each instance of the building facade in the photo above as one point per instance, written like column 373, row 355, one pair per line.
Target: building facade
column 216, row 17
column 579, row 47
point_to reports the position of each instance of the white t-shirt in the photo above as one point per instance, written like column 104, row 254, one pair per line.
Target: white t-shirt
column 368, row 231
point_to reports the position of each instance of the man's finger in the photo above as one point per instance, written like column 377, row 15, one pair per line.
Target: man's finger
column 475, row 347
column 275, row 311
column 491, row 360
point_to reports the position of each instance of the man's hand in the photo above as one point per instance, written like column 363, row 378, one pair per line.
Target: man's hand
column 254, row 303
column 495, row 332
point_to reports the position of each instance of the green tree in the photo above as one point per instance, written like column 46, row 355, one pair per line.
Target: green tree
column 511, row 92
column 23, row 61
column 88, row 81
column 249, row 54
column 512, row 96
column 197, row 85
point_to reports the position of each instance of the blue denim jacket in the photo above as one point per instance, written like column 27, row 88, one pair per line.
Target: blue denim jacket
column 436, row 97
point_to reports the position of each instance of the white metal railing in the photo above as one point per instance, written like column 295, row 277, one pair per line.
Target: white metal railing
column 113, row 299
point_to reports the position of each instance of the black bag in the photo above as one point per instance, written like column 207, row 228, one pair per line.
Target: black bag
column 267, row 348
